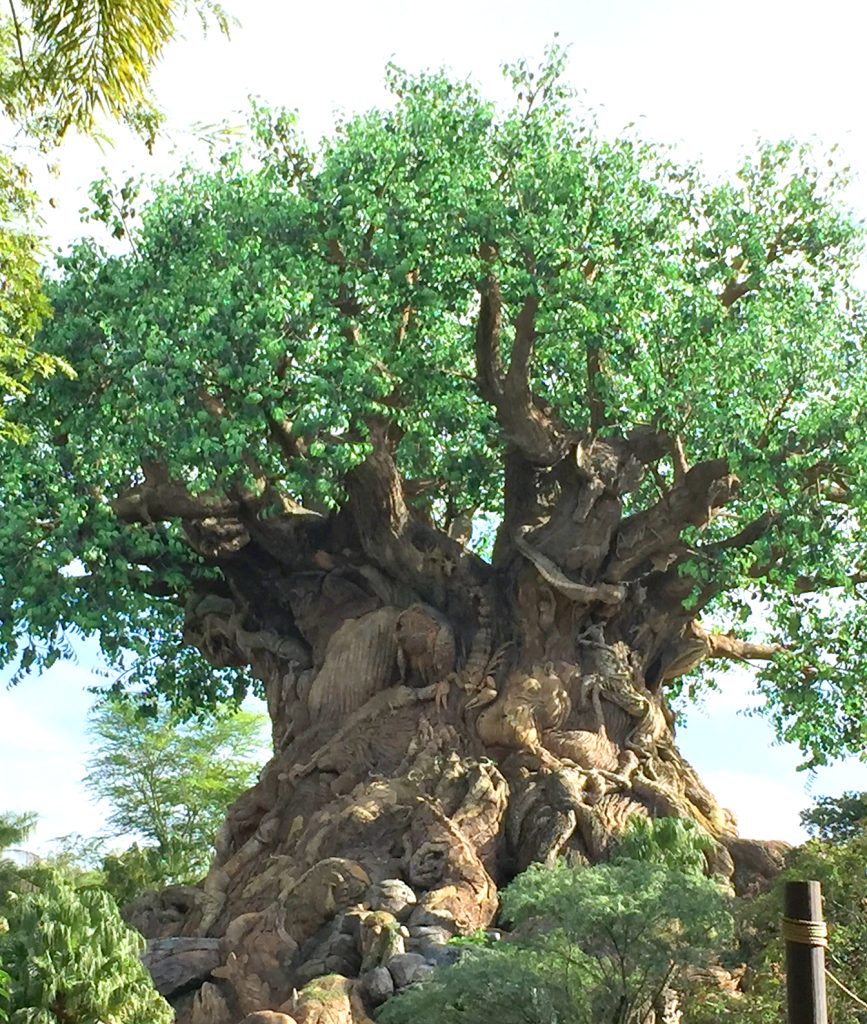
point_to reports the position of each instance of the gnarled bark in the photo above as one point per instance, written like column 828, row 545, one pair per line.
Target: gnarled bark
column 439, row 723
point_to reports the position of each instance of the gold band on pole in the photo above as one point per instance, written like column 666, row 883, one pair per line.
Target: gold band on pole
column 805, row 933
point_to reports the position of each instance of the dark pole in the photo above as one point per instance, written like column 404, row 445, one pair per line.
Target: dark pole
column 804, row 934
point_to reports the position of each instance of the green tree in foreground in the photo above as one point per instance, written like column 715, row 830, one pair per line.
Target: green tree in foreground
column 66, row 956
column 168, row 782
column 589, row 945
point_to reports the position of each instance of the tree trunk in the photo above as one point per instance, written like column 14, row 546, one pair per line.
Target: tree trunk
column 437, row 722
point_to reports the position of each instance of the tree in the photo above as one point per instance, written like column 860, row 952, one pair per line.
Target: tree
column 837, row 819
column 65, row 955
column 590, row 944
column 65, row 64
column 170, row 783
column 470, row 436
column 837, row 858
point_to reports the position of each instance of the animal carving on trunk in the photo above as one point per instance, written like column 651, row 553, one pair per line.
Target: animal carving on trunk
column 426, row 651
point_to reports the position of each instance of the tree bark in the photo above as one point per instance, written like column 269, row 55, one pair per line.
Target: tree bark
column 438, row 723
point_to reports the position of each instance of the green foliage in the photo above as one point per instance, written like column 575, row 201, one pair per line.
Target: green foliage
column 168, row 781
column 837, row 858
column 837, row 819
column 70, row 958
column 278, row 301
column 840, row 864
column 589, row 944
column 23, row 305
column 65, row 955
column 675, row 843
column 63, row 63
column 15, row 828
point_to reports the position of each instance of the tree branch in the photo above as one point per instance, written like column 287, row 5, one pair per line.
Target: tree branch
column 656, row 531
column 526, row 422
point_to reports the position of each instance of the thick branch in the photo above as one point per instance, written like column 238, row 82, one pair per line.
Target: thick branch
column 525, row 421
column 748, row 535
column 696, row 645
column 151, row 502
column 721, row 645
column 517, row 387
column 378, row 507
column 656, row 531
column 580, row 593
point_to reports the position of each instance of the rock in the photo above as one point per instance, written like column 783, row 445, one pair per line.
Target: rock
column 493, row 935
column 423, row 917
column 757, row 862
column 424, row 972
column 209, row 1006
column 430, row 935
column 330, row 885
column 341, row 944
column 378, row 985
column 392, row 895
column 330, row 1000
column 441, row 956
column 309, row 970
column 179, row 963
column 404, row 967
column 340, row 965
column 159, row 915
column 267, row 1017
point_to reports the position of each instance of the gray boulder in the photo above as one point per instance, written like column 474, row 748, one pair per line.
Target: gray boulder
column 179, row 963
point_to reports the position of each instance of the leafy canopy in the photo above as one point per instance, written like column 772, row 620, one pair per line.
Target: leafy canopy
column 837, row 819
column 66, row 63
column 280, row 302
column 169, row 782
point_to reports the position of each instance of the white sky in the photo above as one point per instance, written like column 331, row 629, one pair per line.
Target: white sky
column 708, row 77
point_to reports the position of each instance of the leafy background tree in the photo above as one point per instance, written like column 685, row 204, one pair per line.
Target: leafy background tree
column 836, row 856
column 168, row 782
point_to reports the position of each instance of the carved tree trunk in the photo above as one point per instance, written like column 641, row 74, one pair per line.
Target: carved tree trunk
column 437, row 720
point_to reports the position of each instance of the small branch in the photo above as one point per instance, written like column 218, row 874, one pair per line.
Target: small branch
column 19, row 39
column 748, row 535
column 696, row 645
column 735, row 290
column 813, row 584
column 678, row 459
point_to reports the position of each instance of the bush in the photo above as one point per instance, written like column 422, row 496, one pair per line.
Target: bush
column 589, row 945
column 66, row 957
